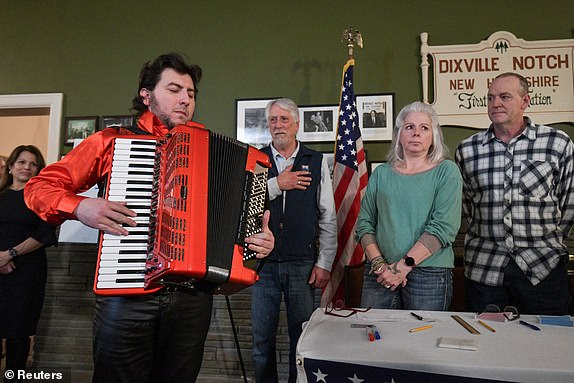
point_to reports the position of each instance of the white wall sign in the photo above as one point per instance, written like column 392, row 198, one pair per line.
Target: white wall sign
column 462, row 74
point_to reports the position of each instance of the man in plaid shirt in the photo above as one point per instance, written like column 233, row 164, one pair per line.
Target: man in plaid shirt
column 518, row 197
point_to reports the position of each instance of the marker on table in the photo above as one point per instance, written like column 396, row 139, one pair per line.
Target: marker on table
column 487, row 326
column 536, row 328
column 417, row 316
column 417, row 329
column 370, row 333
column 377, row 333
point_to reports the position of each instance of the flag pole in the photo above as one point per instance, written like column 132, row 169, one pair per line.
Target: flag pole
column 349, row 183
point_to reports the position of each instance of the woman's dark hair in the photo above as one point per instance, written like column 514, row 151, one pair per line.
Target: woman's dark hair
column 151, row 72
column 7, row 180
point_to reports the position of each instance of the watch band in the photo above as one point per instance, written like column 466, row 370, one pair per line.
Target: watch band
column 409, row 261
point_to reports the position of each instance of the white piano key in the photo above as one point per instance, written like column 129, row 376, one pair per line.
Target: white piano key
column 126, row 239
column 125, row 172
column 139, row 144
column 143, row 214
column 111, row 267
column 126, row 251
column 124, row 183
column 133, row 192
column 117, row 257
column 131, row 143
column 122, row 285
column 126, row 166
column 127, row 186
column 135, row 229
column 129, row 155
column 125, row 175
column 133, row 201
column 117, row 277
column 110, row 241
column 138, row 151
column 125, row 180
column 138, row 209
column 120, row 251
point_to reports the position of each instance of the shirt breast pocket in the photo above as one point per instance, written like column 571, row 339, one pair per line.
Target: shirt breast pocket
column 536, row 178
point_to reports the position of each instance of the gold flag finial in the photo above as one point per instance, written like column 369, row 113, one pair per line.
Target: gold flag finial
column 352, row 37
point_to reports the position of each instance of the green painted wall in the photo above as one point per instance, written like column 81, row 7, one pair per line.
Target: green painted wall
column 92, row 50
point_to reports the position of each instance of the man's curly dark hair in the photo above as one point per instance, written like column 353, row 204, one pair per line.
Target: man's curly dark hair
column 151, row 72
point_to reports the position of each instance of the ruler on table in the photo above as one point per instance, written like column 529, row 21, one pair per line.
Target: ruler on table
column 465, row 324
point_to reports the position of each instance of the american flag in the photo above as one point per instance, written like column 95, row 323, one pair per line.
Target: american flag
column 349, row 182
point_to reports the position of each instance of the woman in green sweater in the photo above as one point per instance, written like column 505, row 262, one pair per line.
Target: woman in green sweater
column 410, row 215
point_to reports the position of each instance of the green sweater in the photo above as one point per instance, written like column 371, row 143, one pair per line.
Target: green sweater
column 397, row 208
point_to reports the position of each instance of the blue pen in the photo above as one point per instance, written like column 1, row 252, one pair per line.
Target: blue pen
column 529, row 325
column 377, row 334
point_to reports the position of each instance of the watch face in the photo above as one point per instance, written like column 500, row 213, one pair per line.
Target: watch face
column 409, row 261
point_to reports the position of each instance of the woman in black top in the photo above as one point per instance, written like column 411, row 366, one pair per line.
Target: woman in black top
column 23, row 265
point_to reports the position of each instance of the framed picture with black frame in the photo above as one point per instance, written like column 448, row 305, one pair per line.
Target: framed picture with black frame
column 317, row 123
column 79, row 128
column 376, row 115
column 251, row 123
column 116, row 121
column 373, row 165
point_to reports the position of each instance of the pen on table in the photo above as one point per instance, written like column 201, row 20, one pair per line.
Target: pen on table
column 529, row 325
column 417, row 329
column 370, row 333
column 417, row 316
column 377, row 333
column 487, row 326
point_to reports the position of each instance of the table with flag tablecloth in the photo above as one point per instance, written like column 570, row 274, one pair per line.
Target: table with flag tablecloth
column 334, row 349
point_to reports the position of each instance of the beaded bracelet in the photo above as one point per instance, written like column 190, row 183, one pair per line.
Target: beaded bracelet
column 377, row 263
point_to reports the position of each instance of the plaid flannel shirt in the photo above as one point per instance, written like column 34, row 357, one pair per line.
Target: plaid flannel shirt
column 519, row 202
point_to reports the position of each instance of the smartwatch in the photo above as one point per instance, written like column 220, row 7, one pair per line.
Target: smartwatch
column 12, row 252
column 409, row 261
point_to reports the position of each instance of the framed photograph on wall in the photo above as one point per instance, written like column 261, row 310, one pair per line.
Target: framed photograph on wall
column 251, row 124
column 317, row 123
column 373, row 165
column 79, row 128
column 376, row 116
column 116, row 121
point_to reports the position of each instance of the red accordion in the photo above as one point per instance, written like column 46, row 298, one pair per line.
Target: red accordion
column 197, row 195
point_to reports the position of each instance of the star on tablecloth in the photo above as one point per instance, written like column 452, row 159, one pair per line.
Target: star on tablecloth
column 355, row 379
column 320, row 376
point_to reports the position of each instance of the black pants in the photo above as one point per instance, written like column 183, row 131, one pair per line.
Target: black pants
column 156, row 338
column 17, row 351
column 549, row 297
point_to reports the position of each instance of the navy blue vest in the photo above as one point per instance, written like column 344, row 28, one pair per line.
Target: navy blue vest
column 295, row 229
